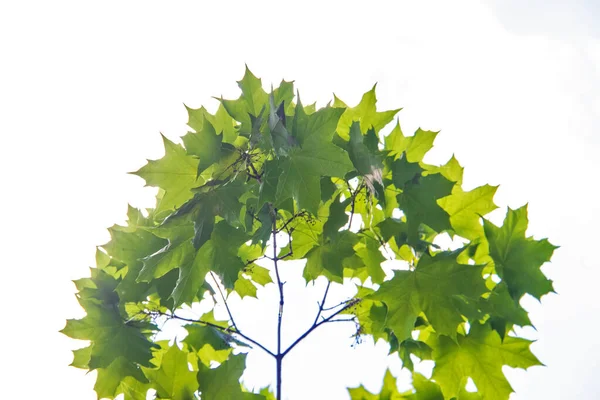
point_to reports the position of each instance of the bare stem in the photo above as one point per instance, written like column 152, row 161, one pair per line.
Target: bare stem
column 224, row 301
column 222, row 329
column 322, row 304
column 315, row 325
column 279, row 356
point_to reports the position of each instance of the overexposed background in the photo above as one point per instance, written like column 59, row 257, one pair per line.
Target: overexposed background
column 86, row 87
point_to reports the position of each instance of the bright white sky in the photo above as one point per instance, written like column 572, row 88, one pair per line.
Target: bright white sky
column 85, row 88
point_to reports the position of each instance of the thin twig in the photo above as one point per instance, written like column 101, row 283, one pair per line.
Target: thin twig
column 222, row 329
column 337, row 305
column 224, row 301
column 316, row 325
column 292, row 218
column 255, row 259
column 353, row 195
column 341, row 320
column 279, row 356
column 322, row 302
column 256, row 176
column 279, row 285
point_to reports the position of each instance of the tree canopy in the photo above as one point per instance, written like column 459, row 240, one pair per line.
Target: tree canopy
column 266, row 178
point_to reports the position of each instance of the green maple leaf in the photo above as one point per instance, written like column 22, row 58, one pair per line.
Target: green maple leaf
column 223, row 200
column 466, row 208
column 303, row 169
column 280, row 135
column 438, row 287
column 130, row 247
column 371, row 314
column 219, row 254
column 192, row 274
column 110, row 379
column 225, row 260
column 111, row 336
column 413, row 347
column 328, row 258
column 204, row 144
column 81, row 357
column 221, row 121
column 210, row 200
column 365, row 160
column 250, row 102
column 209, row 343
column 223, row 382
column 263, row 233
column 517, row 258
column 317, row 156
column 404, row 172
column 419, row 201
column 480, row 355
column 133, row 389
column 173, row 255
column 501, row 305
column 415, row 146
column 425, row 389
column 337, row 217
column 307, row 232
column 452, row 170
column 389, row 391
column 258, row 274
column 173, row 378
column 367, row 250
column 175, row 173
column 365, row 112
column 284, row 93
column 244, row 287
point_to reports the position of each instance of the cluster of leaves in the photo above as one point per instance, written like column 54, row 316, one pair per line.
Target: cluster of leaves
column 265, row 164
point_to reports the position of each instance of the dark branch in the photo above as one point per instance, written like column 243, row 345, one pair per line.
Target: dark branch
column 279, row 285
column 255, row 259
column 227, row 330
column 353, row 319
column 317, row 324
column 291, row 219
column 322, row 304
column 353, row 202
column 224, row 301
column 337, row 305
column 255, row 173
column 279, row 356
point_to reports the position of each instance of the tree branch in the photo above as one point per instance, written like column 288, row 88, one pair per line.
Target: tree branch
column 222, row 329
column 353, row 195
column 224, row 301
column 353, row 319
column 256, row 175
column 322, row 302
column 317, row 324
column 292, row 218
column 279, row 356
column 337, row 305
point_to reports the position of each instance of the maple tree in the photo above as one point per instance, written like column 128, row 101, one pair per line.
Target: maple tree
column 267, row 179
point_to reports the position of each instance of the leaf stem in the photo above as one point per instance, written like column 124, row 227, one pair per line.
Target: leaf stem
column 315, row 325
column 224, row 301
column 322, row 304
column 279, row 356
column 223, row 329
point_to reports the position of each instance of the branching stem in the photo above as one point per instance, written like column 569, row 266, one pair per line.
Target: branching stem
column 315, row 325
column 224, row 301
column 322, row 304
column 221, row 328
column 279, row 356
